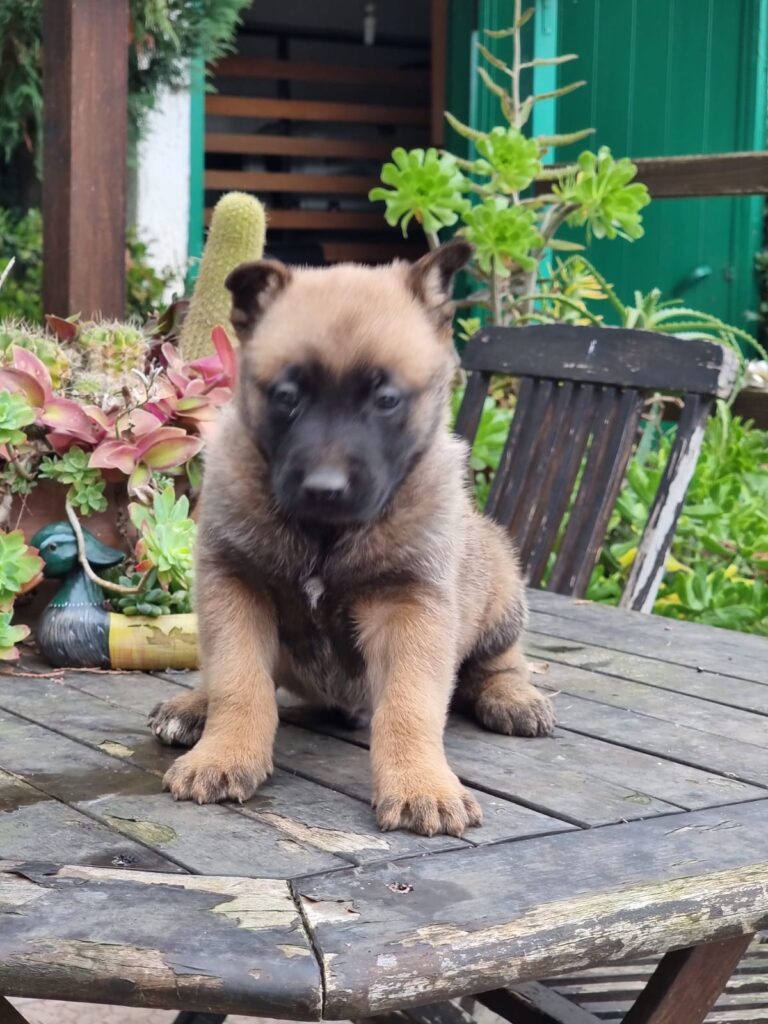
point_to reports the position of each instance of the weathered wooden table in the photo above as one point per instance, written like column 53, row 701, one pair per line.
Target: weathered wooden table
column 641, row 828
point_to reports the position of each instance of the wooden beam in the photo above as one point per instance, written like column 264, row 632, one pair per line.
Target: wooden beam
column 269, row 181
column 314, row 110
column 679, row 177
column 728, row 174
column 371, row 252
column 686, row 984
column 309, row 71
column 85, row 109
column 534, row 1003
column 243, row 143
column 438, row 38
column 321, row 220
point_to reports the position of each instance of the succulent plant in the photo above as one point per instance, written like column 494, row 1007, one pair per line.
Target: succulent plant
column 86, row 485
column 15, row 414
column 45, row 346
column 236, row 236
column 10, row 636
column 166, row 538
column 503, row 235
column 153, row 599
column 607, row 202
column 112, row 348
column 425, row 185
column 21, row 567
column 511, row 158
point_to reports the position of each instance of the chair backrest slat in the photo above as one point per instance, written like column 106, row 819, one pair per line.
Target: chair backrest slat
column 536, row 399
column 471, row 409
column 558, row 486
column 522, row 522
column 613, row 432
column 579, row 401
column 648, row 567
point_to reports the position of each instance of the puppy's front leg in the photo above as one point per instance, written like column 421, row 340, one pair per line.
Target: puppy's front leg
column 238, row 645
column 410, row 659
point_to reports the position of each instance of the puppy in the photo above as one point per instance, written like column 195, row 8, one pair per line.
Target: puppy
column 340, row 554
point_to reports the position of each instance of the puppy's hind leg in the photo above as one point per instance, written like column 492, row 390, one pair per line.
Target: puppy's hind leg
column 179, row 722
column 496, row 690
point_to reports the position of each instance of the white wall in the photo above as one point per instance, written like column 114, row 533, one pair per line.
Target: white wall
column 162, row 201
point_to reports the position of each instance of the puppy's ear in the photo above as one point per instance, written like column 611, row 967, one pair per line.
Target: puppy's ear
column 431, row 278
column 254, row 287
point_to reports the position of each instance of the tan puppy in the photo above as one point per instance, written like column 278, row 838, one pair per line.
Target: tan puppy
column 340, row 553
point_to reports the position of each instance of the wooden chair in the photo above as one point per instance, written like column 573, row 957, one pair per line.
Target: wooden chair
column 581, row 397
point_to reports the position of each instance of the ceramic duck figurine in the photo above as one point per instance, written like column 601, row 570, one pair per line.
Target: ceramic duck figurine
column 76, row 630
column 73, row 630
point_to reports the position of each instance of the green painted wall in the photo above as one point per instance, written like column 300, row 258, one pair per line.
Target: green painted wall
column 674, row 77
column 196, row 230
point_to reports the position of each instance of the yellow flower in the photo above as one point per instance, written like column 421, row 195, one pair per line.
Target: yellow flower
column 628, row 557
column 668, row 600
column 673, row 565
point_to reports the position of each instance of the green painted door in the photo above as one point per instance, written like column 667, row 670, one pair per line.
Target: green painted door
column 673, row 77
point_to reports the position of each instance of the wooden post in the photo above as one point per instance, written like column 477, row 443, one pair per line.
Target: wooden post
column 85, row 110
column 439, row 42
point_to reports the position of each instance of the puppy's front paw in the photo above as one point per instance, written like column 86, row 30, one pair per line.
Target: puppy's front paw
column 179, row 722
column 209, row 775
column 521, row 711
column 428, row 807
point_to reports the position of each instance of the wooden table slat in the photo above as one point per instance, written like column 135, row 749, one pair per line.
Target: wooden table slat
column 395, row 935
column 709, row 686
column 726, row 652
column 140, row 938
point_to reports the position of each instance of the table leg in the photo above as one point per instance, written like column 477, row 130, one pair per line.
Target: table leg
column 9, row 1014
column 687, row 983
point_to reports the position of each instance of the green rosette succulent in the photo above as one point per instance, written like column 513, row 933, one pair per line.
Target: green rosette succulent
column 607, row 204
column 10, row 635
column 20, row 567
column 426, row 186
column 503, row 235
column 509, row 157
column 15, row 414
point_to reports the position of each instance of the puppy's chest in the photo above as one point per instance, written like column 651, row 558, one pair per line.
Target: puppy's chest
column 316, row 628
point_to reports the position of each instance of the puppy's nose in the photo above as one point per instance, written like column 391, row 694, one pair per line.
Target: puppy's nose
column 326, row 483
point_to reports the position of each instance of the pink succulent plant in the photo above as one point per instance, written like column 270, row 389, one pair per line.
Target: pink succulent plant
column 161, row 434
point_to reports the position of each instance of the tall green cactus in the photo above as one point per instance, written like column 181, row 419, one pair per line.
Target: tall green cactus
column 236, row 235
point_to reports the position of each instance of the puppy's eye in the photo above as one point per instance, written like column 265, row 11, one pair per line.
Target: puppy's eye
column 286, row 396
column 386, row 398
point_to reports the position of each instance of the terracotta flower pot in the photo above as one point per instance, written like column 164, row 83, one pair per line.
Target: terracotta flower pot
column 46, row 505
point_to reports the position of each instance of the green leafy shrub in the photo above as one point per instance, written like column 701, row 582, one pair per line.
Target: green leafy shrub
column 717, row 572
column 21, row 236
column 163, row 33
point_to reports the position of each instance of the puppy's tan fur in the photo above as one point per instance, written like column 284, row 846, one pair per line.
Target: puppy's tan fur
column 428, row 596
